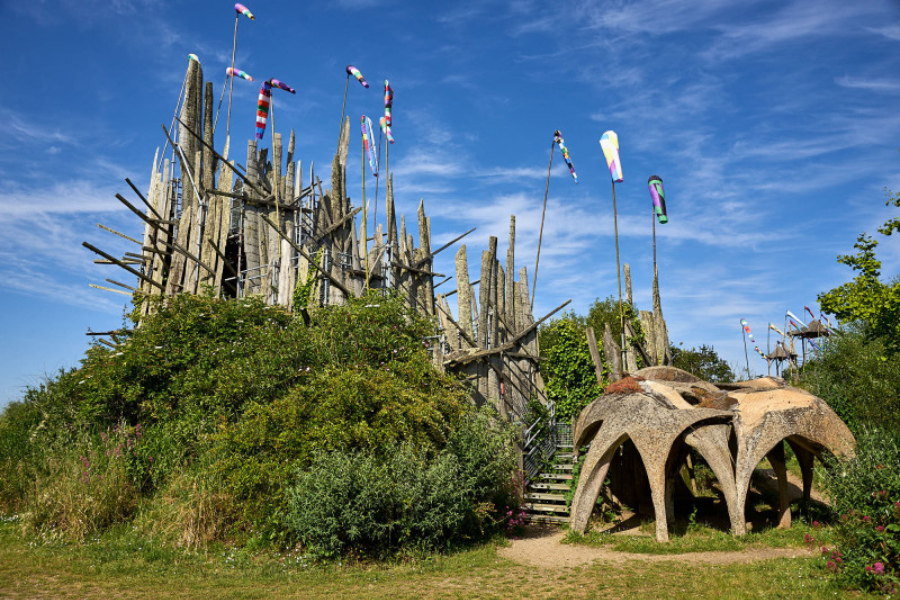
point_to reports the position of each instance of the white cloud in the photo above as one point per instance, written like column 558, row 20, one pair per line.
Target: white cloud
column 875, row 85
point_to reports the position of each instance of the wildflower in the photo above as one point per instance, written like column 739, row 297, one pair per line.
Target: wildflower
column 816, row 524
column 880, row 528
column 867, row 519
column 879, row 568
column 833, row 567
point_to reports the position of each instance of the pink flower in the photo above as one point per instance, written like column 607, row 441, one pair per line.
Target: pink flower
column 879, row 568
column 866, row 519
column 880, row 528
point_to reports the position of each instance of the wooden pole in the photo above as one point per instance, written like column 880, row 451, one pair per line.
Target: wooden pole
column 225, row 83
column 365, row 239
column 343, row 108
column 618, row 272
column 746, row 355
column 653, row 220
column 541, row 234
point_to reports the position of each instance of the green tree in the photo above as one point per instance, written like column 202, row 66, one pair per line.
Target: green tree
column 571, row 379
column 703, row 362
column 867, row 298
column 606, row 311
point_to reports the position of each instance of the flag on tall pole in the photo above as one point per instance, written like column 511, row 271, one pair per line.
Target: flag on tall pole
column 609, row 142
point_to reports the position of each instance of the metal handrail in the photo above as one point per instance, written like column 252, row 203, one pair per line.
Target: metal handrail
column 540, row 443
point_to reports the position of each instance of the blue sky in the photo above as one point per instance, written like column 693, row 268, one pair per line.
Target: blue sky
column 774, row 126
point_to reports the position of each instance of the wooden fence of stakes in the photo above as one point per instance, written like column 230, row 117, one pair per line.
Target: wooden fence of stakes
column 211, row 225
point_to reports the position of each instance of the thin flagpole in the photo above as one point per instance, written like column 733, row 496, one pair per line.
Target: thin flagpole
column 746, row 355
column 375, row 212
column 172, row 126
column 387, row 176
column 343, row 108
column 619, row 274
column 541, row 235
column 365, row 212
column 278, row 174
column 653, row 220
column 231, row 87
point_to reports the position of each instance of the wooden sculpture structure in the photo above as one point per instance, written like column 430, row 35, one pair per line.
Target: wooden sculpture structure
column 216, row 227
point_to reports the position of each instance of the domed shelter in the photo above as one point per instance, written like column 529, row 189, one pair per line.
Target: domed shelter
column 665, row 411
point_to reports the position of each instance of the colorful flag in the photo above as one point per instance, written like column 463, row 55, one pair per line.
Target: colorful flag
column 609, row 141
column 355, row 72
column 238, row 73
column 557, row 137
column 243, row 10
column 283, row 86
column 658, row 195
column 747, row 330
column 262, row 108
column 369, row 142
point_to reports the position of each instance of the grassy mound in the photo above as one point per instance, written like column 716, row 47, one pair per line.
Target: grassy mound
column 202, row 425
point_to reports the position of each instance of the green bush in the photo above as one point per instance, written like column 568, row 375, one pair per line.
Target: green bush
column 858, row 378
column 335, row 408
column 409, row 499
column 865, row 494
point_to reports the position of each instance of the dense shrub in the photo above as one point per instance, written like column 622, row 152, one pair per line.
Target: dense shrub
column 865, row 493
column 334, row 408
column 409, row 499
column 858, row 378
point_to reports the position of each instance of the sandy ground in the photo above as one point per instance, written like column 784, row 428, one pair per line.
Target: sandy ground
column 542, row 547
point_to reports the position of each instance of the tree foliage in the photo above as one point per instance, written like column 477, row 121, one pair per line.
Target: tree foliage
column 703, row 362
column 867, row 298
column 571, row 379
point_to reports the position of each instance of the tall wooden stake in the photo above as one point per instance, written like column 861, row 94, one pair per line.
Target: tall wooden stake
column 619, row 273
column 541, row 234
column 343, row 108
column 278, row 168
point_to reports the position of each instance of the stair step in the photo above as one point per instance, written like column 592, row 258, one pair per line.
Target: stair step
column 567, row 456
column 547, row 519
column 564, row 446
column 563, row 467
column 545, row 496
column 537, row 486
column 556, row 476
column 552, row 508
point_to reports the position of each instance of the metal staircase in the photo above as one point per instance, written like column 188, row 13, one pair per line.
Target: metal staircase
column 548, row 469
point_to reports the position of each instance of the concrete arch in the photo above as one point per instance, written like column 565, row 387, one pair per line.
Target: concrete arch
column 765, row 419
column 653, row 424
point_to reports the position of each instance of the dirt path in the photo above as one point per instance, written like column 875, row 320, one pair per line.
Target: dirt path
column 541, row 547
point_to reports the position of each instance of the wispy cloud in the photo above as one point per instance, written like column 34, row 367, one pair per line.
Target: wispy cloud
column 875, row 85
